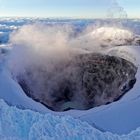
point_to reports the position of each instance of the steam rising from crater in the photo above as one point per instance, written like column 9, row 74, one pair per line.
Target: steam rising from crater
column 39, row 45
column 47, row 45
column 42, row 52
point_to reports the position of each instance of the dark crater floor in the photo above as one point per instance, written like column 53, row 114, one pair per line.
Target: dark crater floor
column 83, row 82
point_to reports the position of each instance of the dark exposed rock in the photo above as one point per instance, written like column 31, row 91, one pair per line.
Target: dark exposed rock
column 86, row 81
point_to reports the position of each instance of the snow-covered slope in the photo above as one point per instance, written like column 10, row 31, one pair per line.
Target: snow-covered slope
column 11, row 92
column 113, row 35
column 16, row 124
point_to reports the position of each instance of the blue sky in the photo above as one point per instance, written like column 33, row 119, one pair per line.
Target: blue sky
column 66, row 8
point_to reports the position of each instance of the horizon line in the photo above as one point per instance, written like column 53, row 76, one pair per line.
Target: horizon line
column 67, row 17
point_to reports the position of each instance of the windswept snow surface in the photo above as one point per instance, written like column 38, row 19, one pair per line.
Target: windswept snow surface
column 16, row 124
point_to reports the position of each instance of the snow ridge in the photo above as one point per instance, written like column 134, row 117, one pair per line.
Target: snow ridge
column 29, row 125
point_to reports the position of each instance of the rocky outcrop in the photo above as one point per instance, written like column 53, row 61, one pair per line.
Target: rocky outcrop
column 85, row 81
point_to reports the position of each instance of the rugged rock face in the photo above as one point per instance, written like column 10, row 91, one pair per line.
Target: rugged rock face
column 84, row 82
